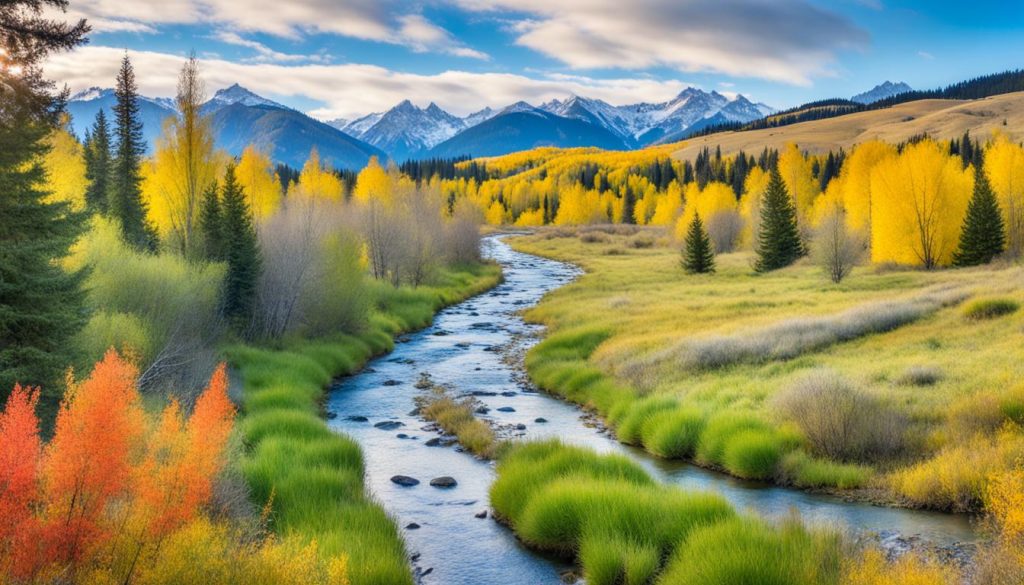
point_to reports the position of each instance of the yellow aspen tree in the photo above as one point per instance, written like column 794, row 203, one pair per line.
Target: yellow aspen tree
column 918, row 202
column 260, row 183
column 373, row 183
column 854, row 182
column 717, row 206
column 798, row 175
column 64, row 165
column 669, row 206
column 750, row 206
column 318, row 182
column 1004, row 167
column 495, row 214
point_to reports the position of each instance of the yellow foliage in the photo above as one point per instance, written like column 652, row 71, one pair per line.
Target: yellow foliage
column 262, row 187
column 495, row 214
column 854, row 181
column 918, row 202
column 373, row 184
column 750, row 205
column 715, row 198
column 871, row 568
column 533, row 218
column 578, row 206
column 65, row 169
column 797, row 173
column 669, row 205
column 317, row 182
column 1004, row 166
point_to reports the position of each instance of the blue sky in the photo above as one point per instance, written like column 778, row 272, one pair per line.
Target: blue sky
column 343, row 58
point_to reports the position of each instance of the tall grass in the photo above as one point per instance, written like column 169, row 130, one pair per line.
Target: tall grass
column 310, row 477
column 620, row 525
column 456, row 417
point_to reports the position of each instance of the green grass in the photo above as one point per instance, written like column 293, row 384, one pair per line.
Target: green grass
column 990, row 308
column 310, row 477
column 608, row 514
column 620, row 338
column 456, row 417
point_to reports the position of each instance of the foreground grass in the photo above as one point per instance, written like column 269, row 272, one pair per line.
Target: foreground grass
column 696, row 366
column 456, row 418
column 623, row 527
column 309, row 477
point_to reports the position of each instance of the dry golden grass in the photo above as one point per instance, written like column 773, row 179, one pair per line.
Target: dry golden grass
column 941, row 119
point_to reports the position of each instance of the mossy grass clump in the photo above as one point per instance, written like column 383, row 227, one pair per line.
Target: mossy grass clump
column 981, row 309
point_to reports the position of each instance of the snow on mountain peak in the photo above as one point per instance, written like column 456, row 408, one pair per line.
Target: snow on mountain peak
column 236, row 94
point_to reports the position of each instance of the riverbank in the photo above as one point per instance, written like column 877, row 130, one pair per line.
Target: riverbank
column 620, row 342
column 309, row 478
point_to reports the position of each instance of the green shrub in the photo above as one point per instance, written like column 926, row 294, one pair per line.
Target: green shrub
column 748, row 551
column 720, row 429
column 753, row 454
column 125, row 332
column 610, row 560
column 674, row 433
column 801, row 470
column 990, row 308
column 637, row 416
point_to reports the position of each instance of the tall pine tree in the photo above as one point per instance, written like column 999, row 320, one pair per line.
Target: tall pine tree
column 778, row 240
column 126, row 203
column 210, row 227
column 983, row 236
column 41, row 305
column 698, row 256
column 241, row 251
column 98, row 164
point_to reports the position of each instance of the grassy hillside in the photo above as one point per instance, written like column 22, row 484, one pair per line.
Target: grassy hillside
column 940, row 119
column 744, row 372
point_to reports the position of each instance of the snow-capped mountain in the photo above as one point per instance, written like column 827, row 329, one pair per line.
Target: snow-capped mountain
column 84, row 105
column 236, row 94
column 645, row 123
column 406, row 131
column 881, row 91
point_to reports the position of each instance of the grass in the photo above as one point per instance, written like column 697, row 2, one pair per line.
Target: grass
column 620, row 525
column 990, row 308
column 308, row 476
column 456, row 417
column 621, row 339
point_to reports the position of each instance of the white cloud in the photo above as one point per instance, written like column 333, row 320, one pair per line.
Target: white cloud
column 384, row 21
column 265, row 54
column 349, row 90
column 925, row 55
column 782, row 40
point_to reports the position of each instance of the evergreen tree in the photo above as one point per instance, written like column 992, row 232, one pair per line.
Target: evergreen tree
column 240, row 250
column 41, row 305
column 98, row 164
column 778, row 240
column 983, row 236
column 628, row 207
column 210, row 224
column 698, row 256
column 126, row 202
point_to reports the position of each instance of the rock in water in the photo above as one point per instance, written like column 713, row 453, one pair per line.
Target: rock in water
column 405, row 480
column 444, row 482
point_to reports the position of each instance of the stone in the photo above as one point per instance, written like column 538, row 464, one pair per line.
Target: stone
column 482, row 410
column 508, row 394
column 506, row 409
column 520, row 427
column 481, row 514
column 444, row 481
column 540, row 419
column 412, row 526
column 332, row 415
column 357, row 418
column 402, row 436
column 435, row 442
column 405, row 480
column 389, row 425
column 391, row 383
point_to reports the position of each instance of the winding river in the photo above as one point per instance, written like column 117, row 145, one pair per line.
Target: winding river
column 466, row 349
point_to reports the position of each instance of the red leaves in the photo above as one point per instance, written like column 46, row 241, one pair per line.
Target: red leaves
column 102, row 476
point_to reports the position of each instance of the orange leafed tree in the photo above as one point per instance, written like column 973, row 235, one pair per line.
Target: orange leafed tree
column 20, row 448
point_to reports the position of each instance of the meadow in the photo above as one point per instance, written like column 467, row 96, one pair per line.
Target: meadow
column 896, row 384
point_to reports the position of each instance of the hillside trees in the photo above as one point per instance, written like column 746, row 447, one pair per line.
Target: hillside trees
column 41, row 306
column 98, row 164
column 778, row 239
column 918, row 201
column 1004, row 169
column 126, row 203
column 259, row 182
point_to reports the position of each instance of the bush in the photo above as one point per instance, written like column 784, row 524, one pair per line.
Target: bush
column 801, row 470
column 593, row 237
column 611, row 560
column 920, row 376
column 641, row 241
column 753, row 454
column 749, row 551
column 675, row 433
column 990, row 308
column 720, row 430
column 840, row 420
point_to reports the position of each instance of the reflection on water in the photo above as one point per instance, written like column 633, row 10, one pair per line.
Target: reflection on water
column 459, row 350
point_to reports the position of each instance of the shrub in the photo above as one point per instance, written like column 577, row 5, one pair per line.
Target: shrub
column 872, row 568
column 990, row 308
column 610, row 560
column 720, row 430
column 639, row 413
column 674, row 433
column 593, row 237
column 920, row 376
column 641, row 241
column 457, row 418
column 745, row 550
column 801, row 470
column 840, row 420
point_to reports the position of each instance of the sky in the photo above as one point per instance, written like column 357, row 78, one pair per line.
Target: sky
column 346, row 58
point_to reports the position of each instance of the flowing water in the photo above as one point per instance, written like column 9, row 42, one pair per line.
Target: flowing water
column 465, row 349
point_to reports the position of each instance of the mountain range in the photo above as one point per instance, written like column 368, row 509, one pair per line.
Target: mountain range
column 239, row 117
column 881, row 91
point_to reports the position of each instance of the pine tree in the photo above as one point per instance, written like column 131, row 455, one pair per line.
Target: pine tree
column 210, row 224
column 98, row 164
column 698, row 257
column 126, row 202
column 240, row 250
column 778, row 241
column 983, row 236
column 41, row 305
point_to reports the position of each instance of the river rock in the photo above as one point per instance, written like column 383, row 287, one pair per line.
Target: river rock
column 435, row 442
column 332, row 415
column 520, row 427
column 412, row 526
column 506, row 409
column 482, row 410
column 389, row 425
column 404, row 480
column 440, row 333
column 540, row 419
column 357, row 418
column 483, row 393
column 462, row 345
column 444, row 482
column 402, row 436
column 481, row 514
column 508, row 394
column 391, row 383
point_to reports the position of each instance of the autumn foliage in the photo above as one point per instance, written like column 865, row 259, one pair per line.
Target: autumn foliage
column 111, row 485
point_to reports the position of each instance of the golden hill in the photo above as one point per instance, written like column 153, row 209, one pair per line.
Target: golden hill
column 941, row 119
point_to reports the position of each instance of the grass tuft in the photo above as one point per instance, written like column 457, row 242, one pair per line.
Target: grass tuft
column 981, row 309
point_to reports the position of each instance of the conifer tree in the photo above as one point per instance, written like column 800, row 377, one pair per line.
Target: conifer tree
column 41, row 305
column 983, row 236
column 778, row 240
column 126, row 202
column 240, row 250
column 98, row 164
column 210, row 226
column 698, row 257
